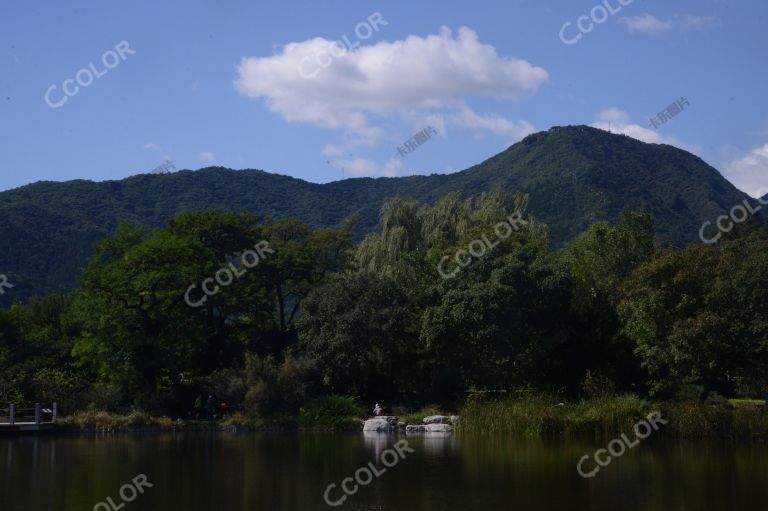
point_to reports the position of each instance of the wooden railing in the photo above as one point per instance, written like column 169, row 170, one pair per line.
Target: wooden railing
column 37, row 415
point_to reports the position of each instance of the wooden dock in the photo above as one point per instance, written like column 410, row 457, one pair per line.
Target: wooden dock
column 19, row 420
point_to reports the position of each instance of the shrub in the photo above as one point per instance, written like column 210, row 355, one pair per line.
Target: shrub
column 337, row 412
column 274, row 388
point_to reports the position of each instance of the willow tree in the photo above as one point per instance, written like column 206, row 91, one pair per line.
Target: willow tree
column 411, row 232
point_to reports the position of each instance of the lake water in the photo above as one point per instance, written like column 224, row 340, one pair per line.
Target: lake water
column 282, row 472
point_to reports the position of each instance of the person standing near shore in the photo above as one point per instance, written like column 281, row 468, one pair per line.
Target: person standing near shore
column 378, row 410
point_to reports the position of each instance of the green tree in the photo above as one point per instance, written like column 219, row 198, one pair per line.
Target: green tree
column 358, row 329
column 599, row 261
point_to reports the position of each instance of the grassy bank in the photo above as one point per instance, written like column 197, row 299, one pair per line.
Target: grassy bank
column 544, row 416
column 106, row 421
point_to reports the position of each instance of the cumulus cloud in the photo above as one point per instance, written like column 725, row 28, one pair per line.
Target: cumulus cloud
column 618, row 121
column 387, row 91
column 650, row 24
column 385, row 79
column 207, row 156
column 749, row 173
column 497, row 124
column 362, row 167
column 689, row 22
column 647, row 23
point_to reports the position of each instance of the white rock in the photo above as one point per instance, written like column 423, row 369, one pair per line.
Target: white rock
column 378, row 424
column 414, row 428
column 437, row 419
column 439, row 428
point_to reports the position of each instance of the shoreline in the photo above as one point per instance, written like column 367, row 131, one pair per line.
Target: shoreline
column 534, row 416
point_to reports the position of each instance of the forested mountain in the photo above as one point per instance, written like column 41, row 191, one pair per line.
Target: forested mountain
column 573, row 175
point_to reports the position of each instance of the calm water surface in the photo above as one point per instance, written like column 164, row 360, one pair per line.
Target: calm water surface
column 291, row 472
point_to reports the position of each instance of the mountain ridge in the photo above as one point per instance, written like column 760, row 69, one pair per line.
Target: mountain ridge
column 573, row 175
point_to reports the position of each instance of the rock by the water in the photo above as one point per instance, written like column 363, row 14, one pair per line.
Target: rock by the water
column 438, row 428
column 415, row 429
column 454, row 419
column 379, row 425
column 437, row 419
column 384, row 423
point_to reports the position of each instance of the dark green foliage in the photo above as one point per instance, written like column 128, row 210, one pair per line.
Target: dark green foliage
column 273, row 389
column 573, row 176
column 332, row 411
column 698, row 316
column 358, row 328
column 318, row 318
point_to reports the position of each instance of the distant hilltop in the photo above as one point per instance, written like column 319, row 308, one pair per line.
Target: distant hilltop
column 574, row 175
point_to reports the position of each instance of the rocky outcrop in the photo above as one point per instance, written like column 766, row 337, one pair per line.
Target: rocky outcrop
column 437, row 419
column 432, row 424
column 439, row 428
column 381, row 424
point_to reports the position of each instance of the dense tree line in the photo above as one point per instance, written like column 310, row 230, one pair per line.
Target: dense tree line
column 320, row 315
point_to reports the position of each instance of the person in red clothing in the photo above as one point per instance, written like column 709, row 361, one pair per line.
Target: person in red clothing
column 378, row 410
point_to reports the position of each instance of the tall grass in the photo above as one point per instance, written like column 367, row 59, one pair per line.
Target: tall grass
column 542, row 416
column 92, row 419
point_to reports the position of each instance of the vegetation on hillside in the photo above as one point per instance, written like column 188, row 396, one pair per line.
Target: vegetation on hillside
column 573, row 176
column 322, row 324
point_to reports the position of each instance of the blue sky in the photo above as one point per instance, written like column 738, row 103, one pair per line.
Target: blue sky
column 220, row 82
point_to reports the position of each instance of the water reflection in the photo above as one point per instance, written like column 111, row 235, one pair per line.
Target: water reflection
column 290, row 472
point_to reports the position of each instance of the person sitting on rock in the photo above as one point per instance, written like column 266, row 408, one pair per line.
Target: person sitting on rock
column 378, row 410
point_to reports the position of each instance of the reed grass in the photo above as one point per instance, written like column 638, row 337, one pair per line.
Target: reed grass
column 545, row 416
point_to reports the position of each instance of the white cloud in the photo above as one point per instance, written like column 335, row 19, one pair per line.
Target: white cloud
column 207, row 156
column 647, row 23
column 618, row 121
column 650, row 24
column 380, row 93
column 152, row 147
column 696, row 22
column 387, row 79
column 361, row 167
column 749, row 173
column 514, row 131
column 332, row 150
